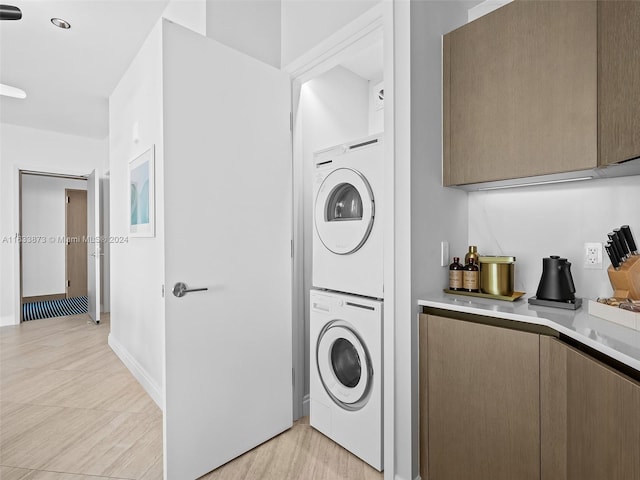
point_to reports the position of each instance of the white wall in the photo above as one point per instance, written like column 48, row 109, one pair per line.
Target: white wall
column 137, row 267
column 305, row 23
column 536, row 222
column 250, row 26
column 43, row 217
column 485, row 7
column 333, row 109
column 37, row 150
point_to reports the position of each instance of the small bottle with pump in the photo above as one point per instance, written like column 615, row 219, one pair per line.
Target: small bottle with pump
column 471, row 276
column 455, row 274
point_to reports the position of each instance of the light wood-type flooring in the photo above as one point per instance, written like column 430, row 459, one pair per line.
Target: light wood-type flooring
column 70, row 410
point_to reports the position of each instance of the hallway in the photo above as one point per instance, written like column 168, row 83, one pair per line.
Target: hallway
column 69, row 406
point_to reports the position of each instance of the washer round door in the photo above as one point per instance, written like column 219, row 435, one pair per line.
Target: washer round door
column 344, row 365
column 344, row 211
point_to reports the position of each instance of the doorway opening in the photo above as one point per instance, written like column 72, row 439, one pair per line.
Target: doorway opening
column 338, row 97
column 52, row 244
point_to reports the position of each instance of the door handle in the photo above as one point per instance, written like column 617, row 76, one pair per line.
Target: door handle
column 180, row 289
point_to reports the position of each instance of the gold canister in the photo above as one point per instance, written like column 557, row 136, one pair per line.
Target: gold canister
column 497, row 275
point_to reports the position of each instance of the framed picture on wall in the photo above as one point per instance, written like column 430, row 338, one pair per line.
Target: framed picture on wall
column 142, row 195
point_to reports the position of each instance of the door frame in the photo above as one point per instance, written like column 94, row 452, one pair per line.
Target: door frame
column 18, row 170
column 376, row 23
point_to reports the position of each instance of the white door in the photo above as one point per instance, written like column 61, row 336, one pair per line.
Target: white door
column 94, row 246
column 227, row 228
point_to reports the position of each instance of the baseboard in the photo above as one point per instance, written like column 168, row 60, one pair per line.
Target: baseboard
column 305, row 405
column 44, row 298
column 137, row 371
column 7, row 320
column 398, row 477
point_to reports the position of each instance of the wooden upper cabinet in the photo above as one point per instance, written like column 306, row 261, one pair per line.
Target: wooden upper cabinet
column 618, row 80
column 520, row 92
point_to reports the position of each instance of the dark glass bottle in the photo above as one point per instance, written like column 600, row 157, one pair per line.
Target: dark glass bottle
column 455, row 274
column 471, row 277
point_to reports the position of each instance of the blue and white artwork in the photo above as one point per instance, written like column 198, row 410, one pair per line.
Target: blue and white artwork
column 141, row 195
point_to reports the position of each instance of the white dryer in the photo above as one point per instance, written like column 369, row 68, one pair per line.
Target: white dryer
column 345, row 391
column 347, row 231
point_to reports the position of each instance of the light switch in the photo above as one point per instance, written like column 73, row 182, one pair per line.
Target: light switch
column 444, row 254
column 136, row 132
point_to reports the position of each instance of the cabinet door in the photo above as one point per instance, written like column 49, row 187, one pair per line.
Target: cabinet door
column 482, row 401
column 603, row 422
column 590, row 417
column 553, row 409
column 520, row 92
column 618, row 80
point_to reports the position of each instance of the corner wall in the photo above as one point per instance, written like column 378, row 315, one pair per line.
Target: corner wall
column 37, row 150
column 137, row 265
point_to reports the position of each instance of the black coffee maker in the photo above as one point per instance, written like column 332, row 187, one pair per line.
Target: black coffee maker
column 556, row 288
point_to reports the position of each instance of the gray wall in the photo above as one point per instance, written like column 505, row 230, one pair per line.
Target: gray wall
column 436, row 213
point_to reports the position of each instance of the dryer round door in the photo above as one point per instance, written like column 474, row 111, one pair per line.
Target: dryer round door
column 344, row 211
column 344, row 365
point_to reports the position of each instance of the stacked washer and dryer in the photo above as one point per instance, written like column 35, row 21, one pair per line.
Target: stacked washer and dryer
column 346, row 302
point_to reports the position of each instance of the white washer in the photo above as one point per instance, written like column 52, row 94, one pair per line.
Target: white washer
column 347, row 231
column 345, row 381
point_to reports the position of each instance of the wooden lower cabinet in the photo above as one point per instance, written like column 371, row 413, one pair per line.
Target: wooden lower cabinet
column 481, row 412
column 590, row 417
column 497, row 403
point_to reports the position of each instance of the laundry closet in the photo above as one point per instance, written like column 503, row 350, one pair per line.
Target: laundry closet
column 339, row 154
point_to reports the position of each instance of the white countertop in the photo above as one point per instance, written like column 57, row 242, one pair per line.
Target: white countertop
column 616, row 341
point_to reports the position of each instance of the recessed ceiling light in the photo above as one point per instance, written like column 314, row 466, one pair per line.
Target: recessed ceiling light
column 58, row 22
column 10, row 91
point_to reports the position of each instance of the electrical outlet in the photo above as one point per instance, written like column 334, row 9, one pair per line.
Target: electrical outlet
column 593, row 256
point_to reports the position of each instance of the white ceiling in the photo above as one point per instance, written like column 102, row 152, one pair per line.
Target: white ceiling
column 69, row 74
